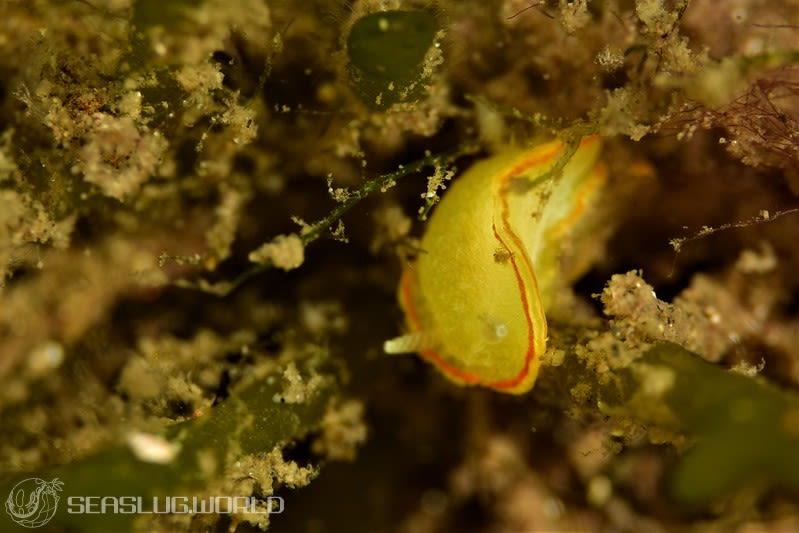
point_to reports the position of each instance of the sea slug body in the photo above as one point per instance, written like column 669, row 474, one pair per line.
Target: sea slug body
column 493, row 252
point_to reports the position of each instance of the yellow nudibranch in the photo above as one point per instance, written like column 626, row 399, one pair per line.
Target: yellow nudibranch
column 495, row 250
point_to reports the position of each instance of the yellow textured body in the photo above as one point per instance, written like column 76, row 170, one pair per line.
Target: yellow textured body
column 490, row 257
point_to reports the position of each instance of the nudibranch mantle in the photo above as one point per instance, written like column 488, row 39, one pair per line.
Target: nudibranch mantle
column 491, row 255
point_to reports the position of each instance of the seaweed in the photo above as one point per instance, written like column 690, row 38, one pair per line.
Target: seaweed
column 386, row 51
column 201, row 454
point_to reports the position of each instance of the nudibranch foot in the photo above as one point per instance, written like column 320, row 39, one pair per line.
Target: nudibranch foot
column 409, row 343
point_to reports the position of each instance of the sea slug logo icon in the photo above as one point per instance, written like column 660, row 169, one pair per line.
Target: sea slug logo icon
column 33, row 501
